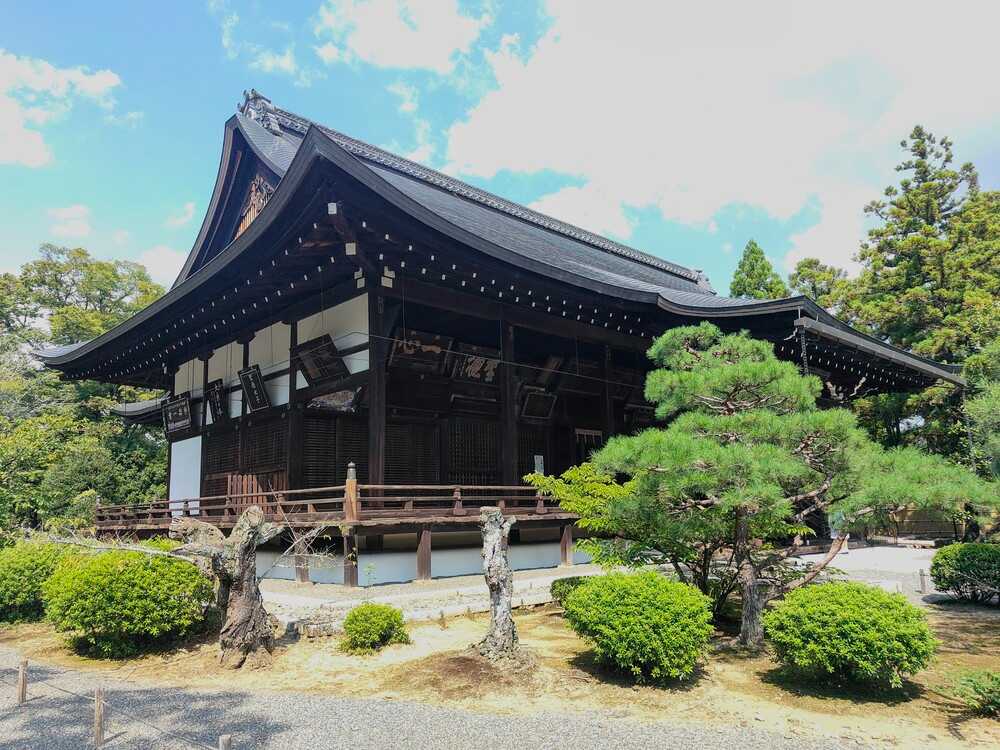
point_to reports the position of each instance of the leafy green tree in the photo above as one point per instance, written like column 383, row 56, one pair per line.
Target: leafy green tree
column 755, row 277
column 982, row 412
column 817, row 281
column 930, row 283
column 60, row 449
column 84, row 296
column 747, row 466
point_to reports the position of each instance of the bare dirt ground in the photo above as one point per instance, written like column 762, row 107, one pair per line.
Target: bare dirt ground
column 731, row 689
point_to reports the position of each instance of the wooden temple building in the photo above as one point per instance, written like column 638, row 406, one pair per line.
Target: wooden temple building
column 359, row 341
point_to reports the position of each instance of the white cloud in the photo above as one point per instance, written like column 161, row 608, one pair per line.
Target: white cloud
column 689, row 108
column 70, row 221
column 406, row 34
column 272, row 62
column 588, row 207
column 407, row 96
column 33, row 93
column 182, row 217
column 127, row 120
column 329, row 53
column 163, row 263
column 121, row 237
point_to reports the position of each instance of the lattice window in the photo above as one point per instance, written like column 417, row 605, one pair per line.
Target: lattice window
column 265, row 446
column 319, row 450
column 352, row 445
column 532, row 440
column 412, row 453
column 473, row 451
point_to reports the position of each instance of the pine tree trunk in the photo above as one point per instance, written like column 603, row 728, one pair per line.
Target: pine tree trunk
column 752, row 591
column 500, row 642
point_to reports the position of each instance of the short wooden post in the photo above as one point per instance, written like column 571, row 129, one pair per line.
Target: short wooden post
column 301, row 569
column 923, row 581
column 350, row 559
column 424, row 554
column 225, row 742
column 351, row 494
column 22, row 682
column 566, row 545
column 540, row 504
column 456, row 508
column 98, row 717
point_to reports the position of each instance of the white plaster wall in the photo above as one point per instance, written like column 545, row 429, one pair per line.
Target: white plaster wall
column 185, row 472
column 188, row 377
column 347, row 324
column 269, row 348
column 225, row 362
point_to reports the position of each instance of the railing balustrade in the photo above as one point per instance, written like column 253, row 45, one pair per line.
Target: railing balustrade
column 350, row 502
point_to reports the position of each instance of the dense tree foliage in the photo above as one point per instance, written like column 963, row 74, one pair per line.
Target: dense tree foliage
column 59, row 451
column 746, row 467
column 929, row 283
column 755, row 277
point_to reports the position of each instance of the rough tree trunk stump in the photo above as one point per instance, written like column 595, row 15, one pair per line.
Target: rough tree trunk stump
column 500, row 643
column 247, row 634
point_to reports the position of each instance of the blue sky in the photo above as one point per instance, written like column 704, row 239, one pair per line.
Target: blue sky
column 682, row 131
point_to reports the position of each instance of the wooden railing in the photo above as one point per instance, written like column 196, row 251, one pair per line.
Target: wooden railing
column 349, row 503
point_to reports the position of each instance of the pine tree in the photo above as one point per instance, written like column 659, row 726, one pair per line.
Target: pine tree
column 755, row 277
column 747, row 466
column 817, row 281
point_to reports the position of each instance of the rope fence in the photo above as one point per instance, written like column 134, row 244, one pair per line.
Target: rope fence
column 102, row 707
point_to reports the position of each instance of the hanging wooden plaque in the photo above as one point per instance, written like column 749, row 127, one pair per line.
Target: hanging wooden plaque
column 218, row 402
column 320, row 360
column 476, row 363
column 254, row 393
column 420, row 351
column 177, row 413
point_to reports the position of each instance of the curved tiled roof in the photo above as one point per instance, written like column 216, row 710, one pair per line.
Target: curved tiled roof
column 275, row 125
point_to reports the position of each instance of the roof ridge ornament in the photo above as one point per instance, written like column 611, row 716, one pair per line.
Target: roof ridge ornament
column 258, row 108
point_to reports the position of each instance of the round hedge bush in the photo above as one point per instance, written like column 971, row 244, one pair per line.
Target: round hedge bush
column 642, row 623
column 115, row 604
column 850, row 632
column 24, row 567
column 370, row 627
column 561, row 587
column 969, row 571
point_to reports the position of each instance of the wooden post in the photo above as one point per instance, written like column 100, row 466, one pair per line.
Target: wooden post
column 301, row 569
column 923, row 581
column 98, row 717
column 294, row 452
column 377, row 348
column 508, row 409
column 22, row 682
column 609, row 405
column 456, row 508
column 350, row 559
column 424, row 554
column 351, row 494
column 225, row 742
column 566, row 545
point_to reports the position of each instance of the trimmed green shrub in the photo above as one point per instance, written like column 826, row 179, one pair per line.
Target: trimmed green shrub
column 850, row 632
column 979, row 691
column 561, row 587
column 24, row 567
column 642, row 623
column 116, row 604
column 370, row 627
column 162, row 543
column 969, row 571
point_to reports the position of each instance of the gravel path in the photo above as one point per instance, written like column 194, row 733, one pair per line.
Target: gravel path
column 54, row 720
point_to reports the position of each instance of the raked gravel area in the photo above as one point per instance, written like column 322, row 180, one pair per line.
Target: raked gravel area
column 55, row 720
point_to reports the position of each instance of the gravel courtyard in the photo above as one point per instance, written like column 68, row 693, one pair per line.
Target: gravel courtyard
column 54, row 720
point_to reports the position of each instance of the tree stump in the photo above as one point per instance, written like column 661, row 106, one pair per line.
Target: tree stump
column 500, row 642
column 247, row 634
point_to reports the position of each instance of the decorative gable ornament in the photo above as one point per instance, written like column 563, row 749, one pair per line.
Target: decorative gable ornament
column 257, row 197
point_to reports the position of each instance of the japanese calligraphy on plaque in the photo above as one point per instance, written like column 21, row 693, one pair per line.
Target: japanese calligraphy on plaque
column 218, row 402
column 254, row 393
column 177, row 413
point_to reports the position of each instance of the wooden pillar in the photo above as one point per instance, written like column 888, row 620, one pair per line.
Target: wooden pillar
column 609, row 405
column 294, row 447
column 424, row 554
column 508, row 410
column 377, row 349
column 350, row 559
column 566, row 545
column 246, row 363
